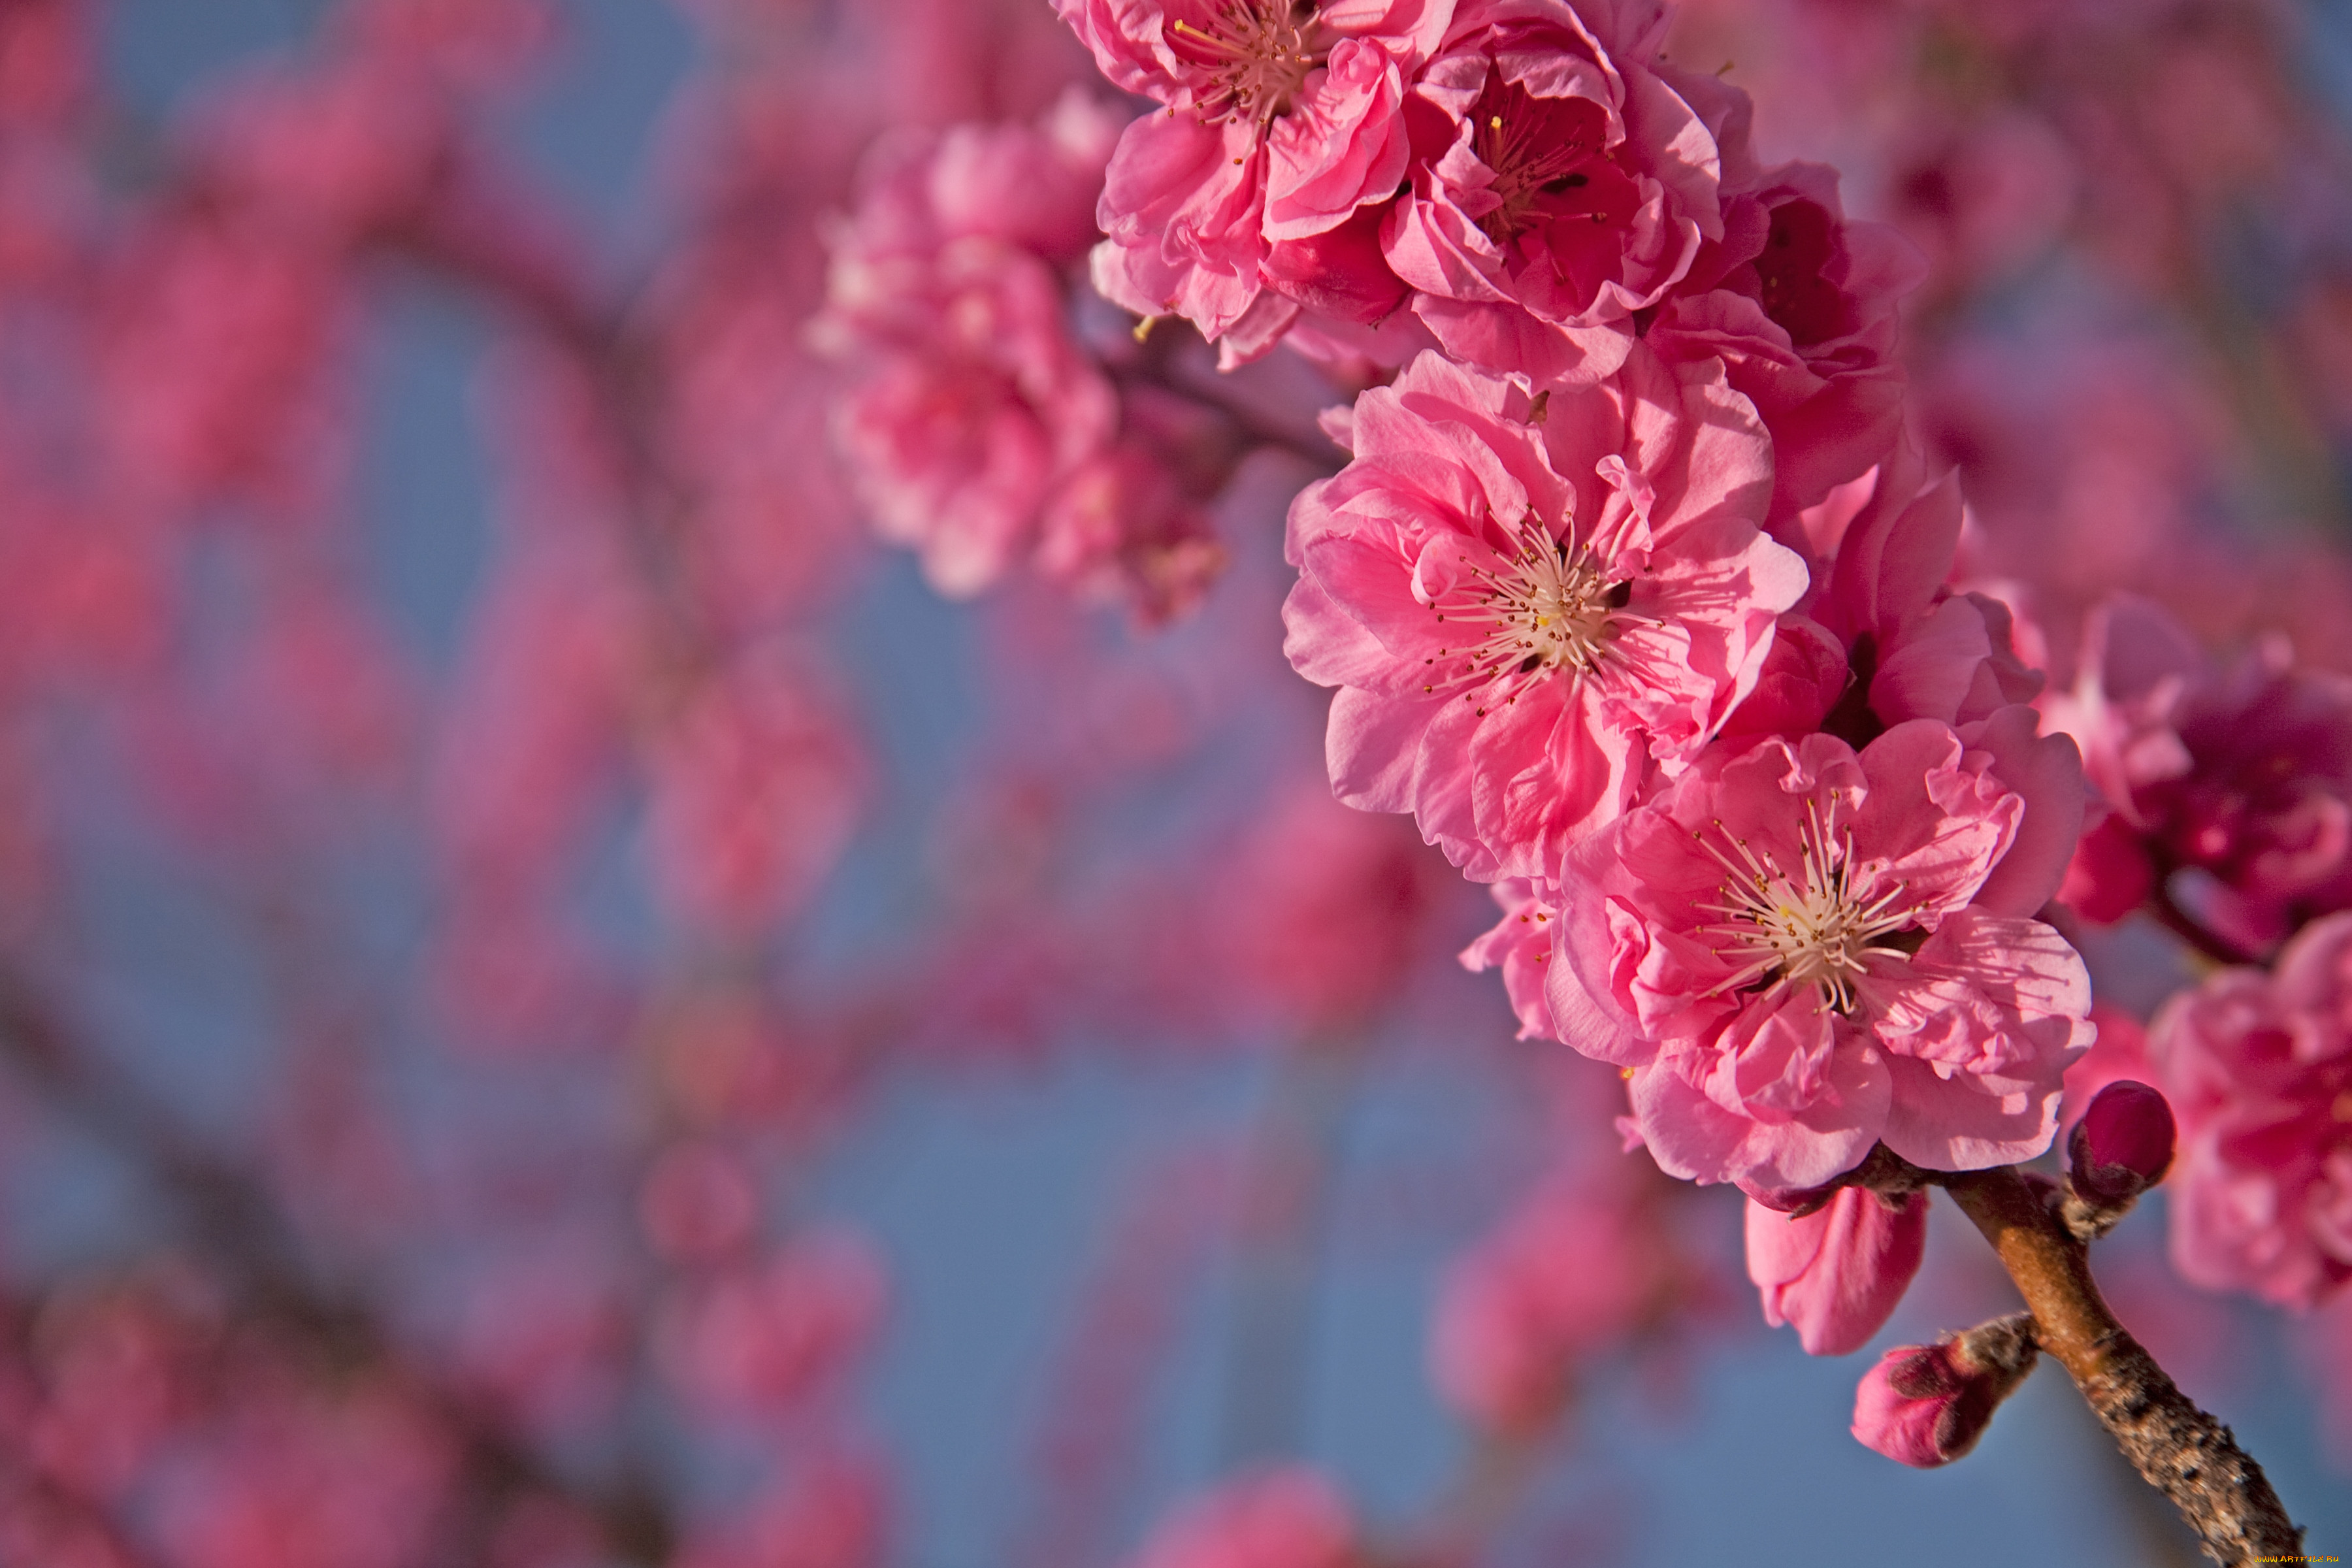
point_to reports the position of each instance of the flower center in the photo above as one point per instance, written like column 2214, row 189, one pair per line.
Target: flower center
column 1525, row 165
column 1256, row 53
column 1546, row 605
column 1809, row 925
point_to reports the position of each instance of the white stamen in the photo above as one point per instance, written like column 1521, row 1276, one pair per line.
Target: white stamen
column 1810, row 926
column 1546, row 605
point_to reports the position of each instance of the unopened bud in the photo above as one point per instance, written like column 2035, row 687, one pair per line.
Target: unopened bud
column 2121, row 1148
column 1927, row 1405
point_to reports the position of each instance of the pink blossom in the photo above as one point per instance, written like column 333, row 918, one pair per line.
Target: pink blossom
column 945, row 290
column 1836, row 1274
column 754, row 788
column 1529, row 608
column 1926, row 1405
column 979, row 429
column 1800, row 305
column 1319, row 917
column 2258, row 1069
column 955, row 448
column 1289, row 1517
column 1280, row 123
column 1801, row 951
column 1574, row 1271
column 2243, row 773
column 1559, row 186
column 1918, row 648
column 759, row 1338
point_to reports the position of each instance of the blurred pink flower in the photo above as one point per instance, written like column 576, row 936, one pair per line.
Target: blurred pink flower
column 1286, row 1518
column 1573, row 1273
column 754, row 789
column 758, row 1339
column 2240, row 774
column 2258, row 1069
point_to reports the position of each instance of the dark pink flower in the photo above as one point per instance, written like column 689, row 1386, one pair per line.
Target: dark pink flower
column 1800, row 306
column 1801, row 951
column 2242, row 774
column 1836, row 1275
column 1280, row 123
column 1918, row 648
column 1529, row 606
column 2258, row 1069
column 2122, row 1146
column 1559, row 186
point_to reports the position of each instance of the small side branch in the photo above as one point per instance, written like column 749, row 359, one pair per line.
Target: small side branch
column 2180, row 1449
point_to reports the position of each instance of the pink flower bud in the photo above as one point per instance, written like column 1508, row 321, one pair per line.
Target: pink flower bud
column 1926, row 1405
column 1836, row 1274
column 2122, row 1146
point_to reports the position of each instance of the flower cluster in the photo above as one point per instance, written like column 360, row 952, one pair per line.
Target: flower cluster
column 2258, row 1069
column 2229, row 788
column 980, row 428
column 1531, row 187
column 1766, row 789
column 1633, row 592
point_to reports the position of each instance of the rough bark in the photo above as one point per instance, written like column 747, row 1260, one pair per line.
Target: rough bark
column 2181, row 1451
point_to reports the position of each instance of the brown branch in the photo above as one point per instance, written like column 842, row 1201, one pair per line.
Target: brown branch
column 2180, row 1450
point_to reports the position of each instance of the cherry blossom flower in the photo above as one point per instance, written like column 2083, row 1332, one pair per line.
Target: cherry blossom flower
column 1280, row 123
column 2241, row 773
column 1801, row 951
column 1576, row 1270
column 1560, row 185
column 1529, row 606
column 1800, row 305
column 2258, row 1069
